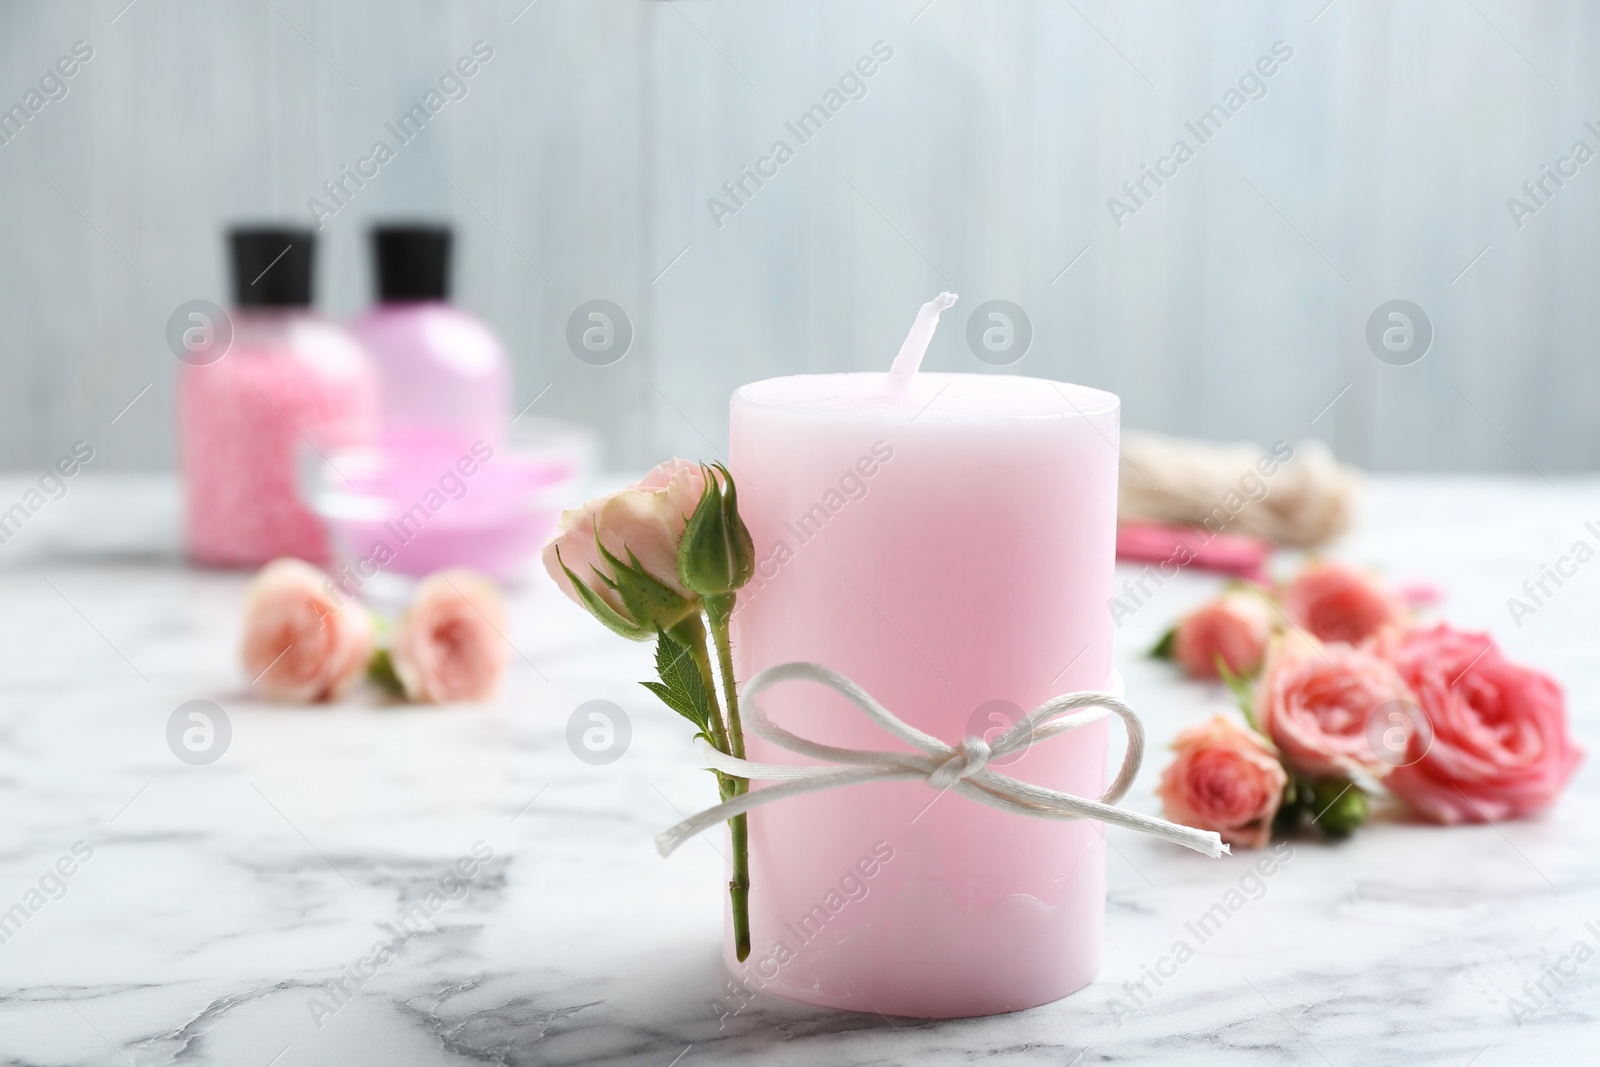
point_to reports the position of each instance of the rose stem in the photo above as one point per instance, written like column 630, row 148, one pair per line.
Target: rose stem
column 691, row 633
column 718, row 610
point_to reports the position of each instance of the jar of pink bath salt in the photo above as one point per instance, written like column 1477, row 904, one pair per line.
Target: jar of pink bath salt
column 290, row 388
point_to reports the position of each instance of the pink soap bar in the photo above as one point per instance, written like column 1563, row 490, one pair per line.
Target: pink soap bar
column 290, row 386
column 951, row 550
column 1188, row 546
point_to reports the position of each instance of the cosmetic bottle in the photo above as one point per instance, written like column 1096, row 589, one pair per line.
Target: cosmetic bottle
column 290, row 388
column 442, row 374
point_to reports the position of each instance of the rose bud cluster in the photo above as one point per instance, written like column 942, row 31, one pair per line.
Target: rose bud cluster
column 646, row 558
column 304, row 643
column 1224, row 778
column 299, row 647
column 1497, row 745
column 448, row 646
column 664, row 558
column 1231, row 631
column 1335, row 602
column 1352, row 698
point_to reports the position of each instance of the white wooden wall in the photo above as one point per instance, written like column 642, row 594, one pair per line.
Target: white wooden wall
column 1233, row 305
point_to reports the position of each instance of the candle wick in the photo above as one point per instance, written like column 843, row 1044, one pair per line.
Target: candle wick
column 916, row 343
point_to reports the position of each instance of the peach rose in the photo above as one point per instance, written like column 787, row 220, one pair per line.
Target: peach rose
column 1317, row 702
column 450, row 645
column 1225, row 778
column 1235, row 627
column 1334, row 602
column 1496, row 744
column 300, row 644
column 647, row 518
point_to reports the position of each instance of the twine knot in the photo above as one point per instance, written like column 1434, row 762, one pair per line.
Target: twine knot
column 969, row 757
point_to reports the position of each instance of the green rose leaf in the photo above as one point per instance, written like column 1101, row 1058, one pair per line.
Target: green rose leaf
column 682, row 687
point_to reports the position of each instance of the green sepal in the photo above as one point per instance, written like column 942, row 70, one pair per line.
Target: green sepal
column 1338, row 807
column 608, row 615
column 649, row 603
column 682, row 687
column 716, row 554
column 1163, row 648
column 1335, row 806
column 381, row 673
column 1291, row 808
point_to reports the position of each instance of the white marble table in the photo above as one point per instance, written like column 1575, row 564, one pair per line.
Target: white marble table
column 219, row 900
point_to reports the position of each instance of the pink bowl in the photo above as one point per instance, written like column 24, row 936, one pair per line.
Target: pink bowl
column 407, row 508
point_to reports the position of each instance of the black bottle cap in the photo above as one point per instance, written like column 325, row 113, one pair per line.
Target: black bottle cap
column 413, row 262
column 272, row 266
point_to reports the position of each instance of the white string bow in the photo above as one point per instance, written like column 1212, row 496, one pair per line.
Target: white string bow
column 962, row 768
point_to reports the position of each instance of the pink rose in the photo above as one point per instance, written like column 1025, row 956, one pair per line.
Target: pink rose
column 647, row 518
column 1235, row 627
column 300, row 644
column 1499, row 746
column 1317, row 702
column 1225, row 778
column 1339, row 603
column 450, row 644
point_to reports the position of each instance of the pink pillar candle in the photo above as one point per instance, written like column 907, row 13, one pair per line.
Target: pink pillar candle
column 950, row 548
